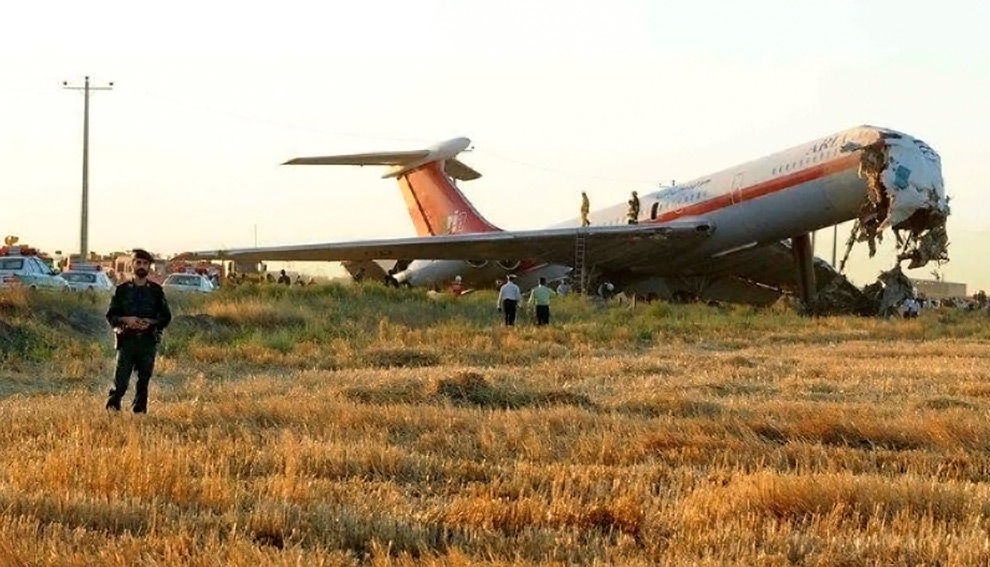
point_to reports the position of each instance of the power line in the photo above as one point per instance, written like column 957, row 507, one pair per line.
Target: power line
column 276, row 123
column 317, row 130
column 567, row 173
column 84, row 224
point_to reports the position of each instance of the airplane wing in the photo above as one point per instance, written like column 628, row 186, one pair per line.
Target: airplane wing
column 616, row 247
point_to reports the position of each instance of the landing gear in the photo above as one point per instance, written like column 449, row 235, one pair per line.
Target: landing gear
column 804, row 258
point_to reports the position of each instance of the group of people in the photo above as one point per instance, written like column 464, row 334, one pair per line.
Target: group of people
column 509, row 297
column 282, row 279
column 632, row 213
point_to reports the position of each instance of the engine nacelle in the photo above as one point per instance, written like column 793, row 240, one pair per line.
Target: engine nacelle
column 477, row 263
column 508, row 265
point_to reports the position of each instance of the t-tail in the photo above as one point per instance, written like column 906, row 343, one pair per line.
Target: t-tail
column 426, row 178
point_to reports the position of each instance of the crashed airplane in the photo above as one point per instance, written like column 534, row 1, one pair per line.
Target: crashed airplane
column 740, row 235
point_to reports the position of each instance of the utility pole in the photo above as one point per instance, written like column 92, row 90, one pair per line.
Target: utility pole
column 84, row 224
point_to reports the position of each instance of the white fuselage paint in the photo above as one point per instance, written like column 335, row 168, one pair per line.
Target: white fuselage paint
column 786, row 194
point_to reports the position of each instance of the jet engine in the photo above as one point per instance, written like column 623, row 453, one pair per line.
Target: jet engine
column 508, row 265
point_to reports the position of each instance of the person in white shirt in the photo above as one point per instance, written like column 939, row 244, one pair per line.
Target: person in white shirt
column 911, row 308
column 509, row 296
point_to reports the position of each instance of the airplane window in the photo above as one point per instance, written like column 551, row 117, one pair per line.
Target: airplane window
column 653, row 210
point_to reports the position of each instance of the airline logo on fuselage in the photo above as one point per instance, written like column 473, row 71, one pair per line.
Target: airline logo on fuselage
column 826, row 144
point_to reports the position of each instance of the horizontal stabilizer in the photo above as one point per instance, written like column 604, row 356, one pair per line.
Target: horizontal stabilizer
column 381, row 158
column 458, row 170
column 402, row 162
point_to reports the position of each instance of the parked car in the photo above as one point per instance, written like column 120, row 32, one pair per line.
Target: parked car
column 30, row 272
column 188, row 282
column 87, row 280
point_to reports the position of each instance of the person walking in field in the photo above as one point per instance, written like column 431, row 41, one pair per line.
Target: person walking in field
column 508, row 300
column 541, row 297
column 138, row 314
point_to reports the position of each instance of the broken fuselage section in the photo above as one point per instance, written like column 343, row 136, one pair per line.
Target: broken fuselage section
column 906, row 193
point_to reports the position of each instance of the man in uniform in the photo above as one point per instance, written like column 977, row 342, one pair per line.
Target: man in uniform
column 138, row 313
column 585, row 209
column 633, row 214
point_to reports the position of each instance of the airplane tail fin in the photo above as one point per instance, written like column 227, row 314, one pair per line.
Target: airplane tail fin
column 426, row 178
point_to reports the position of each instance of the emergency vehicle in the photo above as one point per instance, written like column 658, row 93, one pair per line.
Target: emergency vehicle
column 213, row 272
column 26, row 267
column 87, row 277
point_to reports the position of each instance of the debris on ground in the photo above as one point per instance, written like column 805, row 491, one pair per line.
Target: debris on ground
column 882, row 298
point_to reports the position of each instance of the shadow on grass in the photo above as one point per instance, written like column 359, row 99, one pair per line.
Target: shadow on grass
column 467, row 389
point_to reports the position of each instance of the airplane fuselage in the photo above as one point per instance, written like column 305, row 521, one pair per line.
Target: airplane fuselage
column 783, row 195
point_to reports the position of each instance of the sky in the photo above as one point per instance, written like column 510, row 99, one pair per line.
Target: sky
column 558, row 97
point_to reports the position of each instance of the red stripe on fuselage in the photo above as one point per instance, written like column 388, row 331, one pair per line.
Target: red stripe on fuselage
column 762, row 189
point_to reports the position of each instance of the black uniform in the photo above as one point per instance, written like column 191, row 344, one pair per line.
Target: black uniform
column 136, row 349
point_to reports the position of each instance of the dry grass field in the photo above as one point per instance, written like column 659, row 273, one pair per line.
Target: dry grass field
column 368, row 426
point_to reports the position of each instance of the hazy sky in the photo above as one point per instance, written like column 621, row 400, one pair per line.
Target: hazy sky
column 557, row 97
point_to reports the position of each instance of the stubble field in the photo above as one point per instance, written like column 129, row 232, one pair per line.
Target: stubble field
column 335, row 425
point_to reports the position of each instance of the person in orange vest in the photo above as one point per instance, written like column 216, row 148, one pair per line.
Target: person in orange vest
column 456, row 288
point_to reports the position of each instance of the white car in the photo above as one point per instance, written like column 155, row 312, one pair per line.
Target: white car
column 188, row 282
column 85, row 280
column 28, row 272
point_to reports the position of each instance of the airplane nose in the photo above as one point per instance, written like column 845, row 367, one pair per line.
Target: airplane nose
column 919, row 205
column 913, row 179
